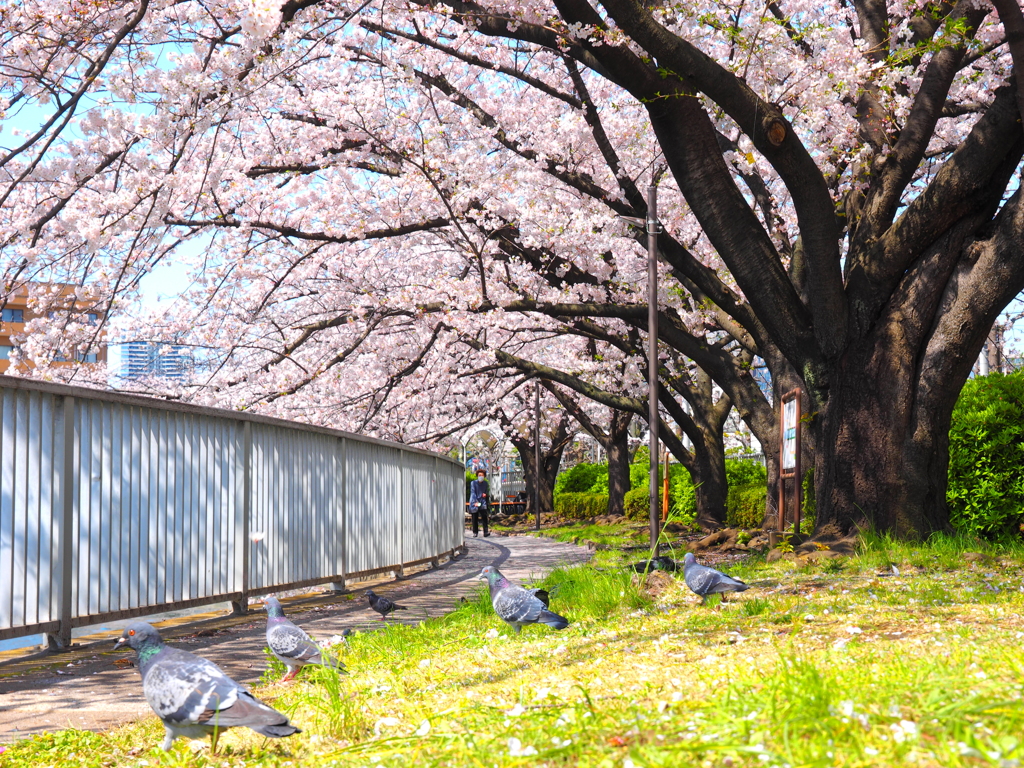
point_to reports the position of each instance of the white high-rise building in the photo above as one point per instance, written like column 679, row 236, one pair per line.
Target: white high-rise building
column 149, row 358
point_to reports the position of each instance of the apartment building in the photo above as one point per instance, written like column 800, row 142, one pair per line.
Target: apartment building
column 16, row 312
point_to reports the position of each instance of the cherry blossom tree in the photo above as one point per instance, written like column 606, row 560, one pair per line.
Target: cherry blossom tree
column 365, row 190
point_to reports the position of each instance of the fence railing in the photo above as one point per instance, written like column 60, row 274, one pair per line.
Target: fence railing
column 113, row 506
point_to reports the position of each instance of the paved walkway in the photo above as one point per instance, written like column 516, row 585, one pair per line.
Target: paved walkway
column 85, row 688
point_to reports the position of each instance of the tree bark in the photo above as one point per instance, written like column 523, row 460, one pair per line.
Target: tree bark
column 550, row 458
column 883, row 443
column 711, row 488
column 618, row 473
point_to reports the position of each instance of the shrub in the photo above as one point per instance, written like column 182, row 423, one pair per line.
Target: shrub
column 681, row 499
column 986, row 456
column 580, row 506
column 636, row 505
column 581, row 478
column 745, row 472
column 747, row 481
column 748, row 490
column 745, row 506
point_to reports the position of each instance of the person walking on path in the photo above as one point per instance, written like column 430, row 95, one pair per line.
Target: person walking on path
column 479, row 499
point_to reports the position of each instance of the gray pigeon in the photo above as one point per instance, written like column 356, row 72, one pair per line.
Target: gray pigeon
column 518, row 606
column 291, row 645
column 706, row 581
column 192, row 696
column 382, row 605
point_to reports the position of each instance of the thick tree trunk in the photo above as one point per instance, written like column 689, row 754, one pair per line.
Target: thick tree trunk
column 618, row 474
column 550, row 460
column 546, row 480
column 883, row 438
column 710, row 485
column 883, row 455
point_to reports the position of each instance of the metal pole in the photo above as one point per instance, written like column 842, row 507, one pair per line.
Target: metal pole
column 536, row 452
column 653, row 229
column 664, row 490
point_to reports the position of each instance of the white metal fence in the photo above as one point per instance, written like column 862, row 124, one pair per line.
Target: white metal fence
column 114, row 506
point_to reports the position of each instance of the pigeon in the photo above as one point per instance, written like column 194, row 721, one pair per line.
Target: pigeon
column 706, row 581
column 518, row 606
column 192, row 696
column 291, row 645
column 542, row 595
column 382, row 605
column 655, row 564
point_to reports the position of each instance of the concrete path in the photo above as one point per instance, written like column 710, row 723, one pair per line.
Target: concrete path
column 91, row 687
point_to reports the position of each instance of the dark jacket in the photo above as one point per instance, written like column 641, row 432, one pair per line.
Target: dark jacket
column 479, row 494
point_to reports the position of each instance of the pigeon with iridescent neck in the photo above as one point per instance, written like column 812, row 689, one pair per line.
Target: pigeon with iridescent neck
column 705, row 581
column 291, row 645
column 192, row 696
column 518, row 606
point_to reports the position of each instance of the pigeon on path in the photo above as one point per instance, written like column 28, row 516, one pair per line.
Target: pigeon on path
column 291, row 645
column 382, row 605
column 518, row 606
column 192, row 695
column 706, row 581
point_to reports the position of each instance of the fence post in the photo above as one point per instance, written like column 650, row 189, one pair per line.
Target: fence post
column 401, row 512
column 62, row 639
column 435, row 561
column 243, row 490
column 341, row 566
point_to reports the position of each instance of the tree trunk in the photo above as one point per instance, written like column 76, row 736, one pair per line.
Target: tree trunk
column 549, row 472
column 883, row 442
column 618, row 474
column 710, row 485
column 550, row 460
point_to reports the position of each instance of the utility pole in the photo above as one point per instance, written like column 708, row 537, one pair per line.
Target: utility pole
column 653, row 228
column 536, row 451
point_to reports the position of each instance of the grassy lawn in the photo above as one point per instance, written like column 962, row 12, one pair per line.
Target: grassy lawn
column 848, row 663
column 616, row 535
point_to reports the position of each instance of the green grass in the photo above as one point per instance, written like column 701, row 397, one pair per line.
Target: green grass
column 617, row 535
column 810, row 667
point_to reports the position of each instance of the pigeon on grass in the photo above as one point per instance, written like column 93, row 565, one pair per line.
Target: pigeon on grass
column 705, row 581
column 541, row 594
column 518, row 606
column 293, row 647
column 192, row 696
column 666, row 564
column 382, row 605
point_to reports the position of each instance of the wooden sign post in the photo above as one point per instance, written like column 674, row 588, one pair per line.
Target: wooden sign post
column 789, row 456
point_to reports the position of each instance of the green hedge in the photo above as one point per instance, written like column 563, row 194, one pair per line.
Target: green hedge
column 681, row 499
column 745, row 506
column 986, row 457
column 582, row 478
column 636, row 505
column 580, row 506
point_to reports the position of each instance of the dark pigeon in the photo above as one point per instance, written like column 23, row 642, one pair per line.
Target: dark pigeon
column 518, row 606
column 382, row 605
column 192, row 696
column 666, row 564
column 291, row 645
column 706, row 581
column 542, row 595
